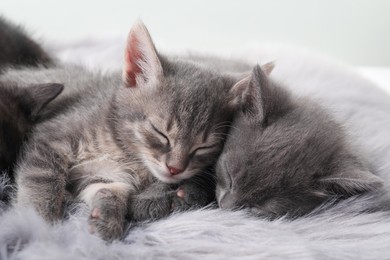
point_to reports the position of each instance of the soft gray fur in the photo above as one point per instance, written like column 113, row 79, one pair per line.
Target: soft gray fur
column 348, row 231
column 286, row 155
column 110, row 137
column 20, row 108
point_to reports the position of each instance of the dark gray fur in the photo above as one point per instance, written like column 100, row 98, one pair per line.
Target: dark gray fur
column 286, row 156
column 98, row 142
column 20, row 106
column 18, row 49
column 159, row 200
column 20, row 109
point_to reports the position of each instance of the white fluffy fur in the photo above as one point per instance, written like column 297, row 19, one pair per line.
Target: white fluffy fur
column 341, row 232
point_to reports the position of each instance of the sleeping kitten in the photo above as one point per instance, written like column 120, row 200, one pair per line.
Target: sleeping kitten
column 18, row 49
column 20, row 109
column 286, row 155
column 162, row 124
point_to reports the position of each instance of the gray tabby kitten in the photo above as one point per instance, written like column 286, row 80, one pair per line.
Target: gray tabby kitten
column 285, row 155
column 118, row 142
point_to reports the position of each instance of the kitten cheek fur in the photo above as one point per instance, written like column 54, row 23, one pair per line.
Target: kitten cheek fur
column 292, row 155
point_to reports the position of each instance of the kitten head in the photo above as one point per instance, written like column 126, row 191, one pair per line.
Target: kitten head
column 286, row 156
column 19, row 109
column 172, row 114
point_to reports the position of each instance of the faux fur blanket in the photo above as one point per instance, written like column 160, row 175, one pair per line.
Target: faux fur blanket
column 358, row 228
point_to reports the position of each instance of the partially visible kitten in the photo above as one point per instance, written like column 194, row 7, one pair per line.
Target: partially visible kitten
column 162, row 124
column 286, row 155
column 20, row 109
column 20, row 106
column 18, row 49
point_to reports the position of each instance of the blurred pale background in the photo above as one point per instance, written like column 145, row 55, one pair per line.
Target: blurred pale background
column 356, row 31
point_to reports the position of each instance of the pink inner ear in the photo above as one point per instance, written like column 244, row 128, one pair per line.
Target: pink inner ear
column 132, row 56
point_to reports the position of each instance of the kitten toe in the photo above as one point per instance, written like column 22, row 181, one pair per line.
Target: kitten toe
column 180, row 193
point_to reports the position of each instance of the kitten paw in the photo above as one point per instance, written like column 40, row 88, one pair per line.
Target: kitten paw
column 146, row 208
column 107, row 217
column 159, row 200
column 188, row 196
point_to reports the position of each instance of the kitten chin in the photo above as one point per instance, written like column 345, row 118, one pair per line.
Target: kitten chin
column 286, row 156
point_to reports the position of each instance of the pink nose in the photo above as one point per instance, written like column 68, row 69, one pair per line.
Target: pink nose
column 174, row 171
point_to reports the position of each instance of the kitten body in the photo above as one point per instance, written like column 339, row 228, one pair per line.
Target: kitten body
column 286, row 155
column 19, row 49
column 20, row 109
column 160, row 124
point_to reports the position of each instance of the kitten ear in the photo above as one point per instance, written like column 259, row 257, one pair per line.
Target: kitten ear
column 38, row 96
column 240, row 92
column 268, row 67
column 352, row 182
column 253, row 94
column 245, row 92
column 141, row 62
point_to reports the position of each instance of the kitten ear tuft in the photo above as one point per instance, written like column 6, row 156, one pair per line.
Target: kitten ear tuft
column 141, row 62
column 352, row 182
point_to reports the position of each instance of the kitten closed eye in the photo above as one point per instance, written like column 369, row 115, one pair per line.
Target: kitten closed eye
column 162, row 136
column 203, row 149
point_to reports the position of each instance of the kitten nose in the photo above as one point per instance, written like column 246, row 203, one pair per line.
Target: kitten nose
column 173, row 170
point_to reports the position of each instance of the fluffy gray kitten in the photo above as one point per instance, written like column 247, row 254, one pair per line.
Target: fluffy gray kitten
column 286, row 155
column 116, row 143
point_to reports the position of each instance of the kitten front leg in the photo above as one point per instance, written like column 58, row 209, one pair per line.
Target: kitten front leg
column 161, row 199
column 195, row 192
column 108, row 203
column 41, row 180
